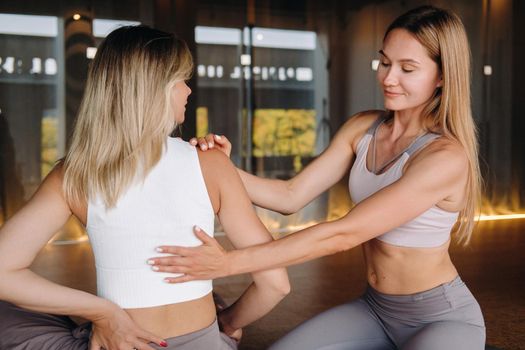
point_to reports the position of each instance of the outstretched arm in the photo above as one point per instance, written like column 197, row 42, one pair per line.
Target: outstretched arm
column 434, row 175
column 22, row 237
column 291, row 195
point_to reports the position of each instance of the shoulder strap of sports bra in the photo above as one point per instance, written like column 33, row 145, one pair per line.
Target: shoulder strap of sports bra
column 372, row 129
column 421, row 142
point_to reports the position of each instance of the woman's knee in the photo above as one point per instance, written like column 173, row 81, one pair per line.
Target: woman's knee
column 347, row 324
column 26, row 329
column 448, row 335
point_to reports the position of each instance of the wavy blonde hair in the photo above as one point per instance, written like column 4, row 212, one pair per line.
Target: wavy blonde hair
column 126, row 112
column 449, row 112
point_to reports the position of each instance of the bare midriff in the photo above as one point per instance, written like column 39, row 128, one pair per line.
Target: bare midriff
column 173, row 320
column 406, row 270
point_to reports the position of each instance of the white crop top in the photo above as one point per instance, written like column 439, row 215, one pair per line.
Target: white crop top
column 161, row 210
column 430, row 229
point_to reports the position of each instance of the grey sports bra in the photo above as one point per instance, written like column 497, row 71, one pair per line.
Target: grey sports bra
column 430, row 229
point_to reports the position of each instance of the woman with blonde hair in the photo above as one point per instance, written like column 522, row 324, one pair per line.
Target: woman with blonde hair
column 414, row 177
column 133, row 187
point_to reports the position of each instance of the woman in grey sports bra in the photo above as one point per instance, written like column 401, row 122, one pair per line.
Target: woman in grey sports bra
column 414, row 178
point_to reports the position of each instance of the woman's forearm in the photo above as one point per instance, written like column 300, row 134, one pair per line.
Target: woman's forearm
column 308, row 244
column 272, row 194
column 28, row 290
column 257, row 300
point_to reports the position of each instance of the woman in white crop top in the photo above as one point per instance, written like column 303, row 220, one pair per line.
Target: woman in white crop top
column 134, row 188
column 414, row 177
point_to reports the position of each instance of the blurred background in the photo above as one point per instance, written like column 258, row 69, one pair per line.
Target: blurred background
column 277, row 77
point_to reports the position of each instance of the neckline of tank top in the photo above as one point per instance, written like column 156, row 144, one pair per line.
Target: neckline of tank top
column 390, row 164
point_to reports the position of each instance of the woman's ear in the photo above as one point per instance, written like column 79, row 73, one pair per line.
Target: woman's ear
column 440, row 82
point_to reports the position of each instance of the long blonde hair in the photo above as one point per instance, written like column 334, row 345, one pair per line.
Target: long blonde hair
column 126, row 112
column 449, row 112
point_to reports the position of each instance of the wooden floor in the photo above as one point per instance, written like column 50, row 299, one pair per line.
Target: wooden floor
column 492, row 266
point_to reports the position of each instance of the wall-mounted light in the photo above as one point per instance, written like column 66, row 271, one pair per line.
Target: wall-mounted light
column 374, row 65
column 246, row 60
column 487, row 70
column 91, row 52
column 77, row 16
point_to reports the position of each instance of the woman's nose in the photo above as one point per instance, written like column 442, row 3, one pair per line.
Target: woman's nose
column 390, row 78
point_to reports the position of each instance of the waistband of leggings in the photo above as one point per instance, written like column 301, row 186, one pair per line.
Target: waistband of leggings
column 400, row 298
column 213, row 327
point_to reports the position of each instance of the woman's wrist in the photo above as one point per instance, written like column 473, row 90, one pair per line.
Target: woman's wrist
column 101, row 310
column 224, row 319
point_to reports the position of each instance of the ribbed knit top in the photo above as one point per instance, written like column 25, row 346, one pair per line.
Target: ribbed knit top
column 161, row 210
column 430, row 229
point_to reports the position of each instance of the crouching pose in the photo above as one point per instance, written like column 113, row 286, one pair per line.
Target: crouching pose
column 134, row 188
column 414, row 178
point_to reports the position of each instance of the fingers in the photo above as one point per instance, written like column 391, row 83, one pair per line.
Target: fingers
column 149, row 337
column 170, row 264
column 175, row 250
column 201, row 142
column 210, row 141
column 142, row 346
column 220, row 139
column 204, row 143
column 180, row 279
column 203, row 236
column 154, row 339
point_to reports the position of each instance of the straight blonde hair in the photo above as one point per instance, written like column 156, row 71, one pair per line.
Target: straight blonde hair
column 449, row 112
column 126, row 114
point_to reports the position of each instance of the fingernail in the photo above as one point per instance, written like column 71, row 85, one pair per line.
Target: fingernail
column 163, row 344
column 210, row 144
column 197, row 228
column 159, row 249
column 203, row 147
column 155, row 268
column 218, row 137
column 166, row 280
column 151, row 262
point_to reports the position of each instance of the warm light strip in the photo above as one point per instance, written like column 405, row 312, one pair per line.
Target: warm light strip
column 501, row 217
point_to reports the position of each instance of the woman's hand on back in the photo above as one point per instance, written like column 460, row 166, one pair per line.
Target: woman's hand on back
column 207, row 261
column 115, row 330
column 213, row 141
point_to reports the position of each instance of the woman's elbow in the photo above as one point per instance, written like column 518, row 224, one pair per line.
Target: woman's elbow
column 284, row 288
column 277, row 283
column 290, row 203
column 288, row 210
column 281, row 285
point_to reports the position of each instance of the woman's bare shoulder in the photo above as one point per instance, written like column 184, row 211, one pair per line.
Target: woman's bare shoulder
column 54, row 179
column 442, row 153
column 357, row 125
column 54, row 182
column 217, row 170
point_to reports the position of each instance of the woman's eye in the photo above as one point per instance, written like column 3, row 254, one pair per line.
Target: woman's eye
column 408, row 70
column 385, row 64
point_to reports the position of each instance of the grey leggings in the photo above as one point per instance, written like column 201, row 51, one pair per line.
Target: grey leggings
column 445, row 317
column 22, row 329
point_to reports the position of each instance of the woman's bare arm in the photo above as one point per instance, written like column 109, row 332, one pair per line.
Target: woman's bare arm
column 22, row 237
column 289, row 196
column 243, row 228
column 434, row 175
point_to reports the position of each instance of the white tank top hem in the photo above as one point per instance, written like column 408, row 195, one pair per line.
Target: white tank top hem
column 161, row 210
column 431, row 228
